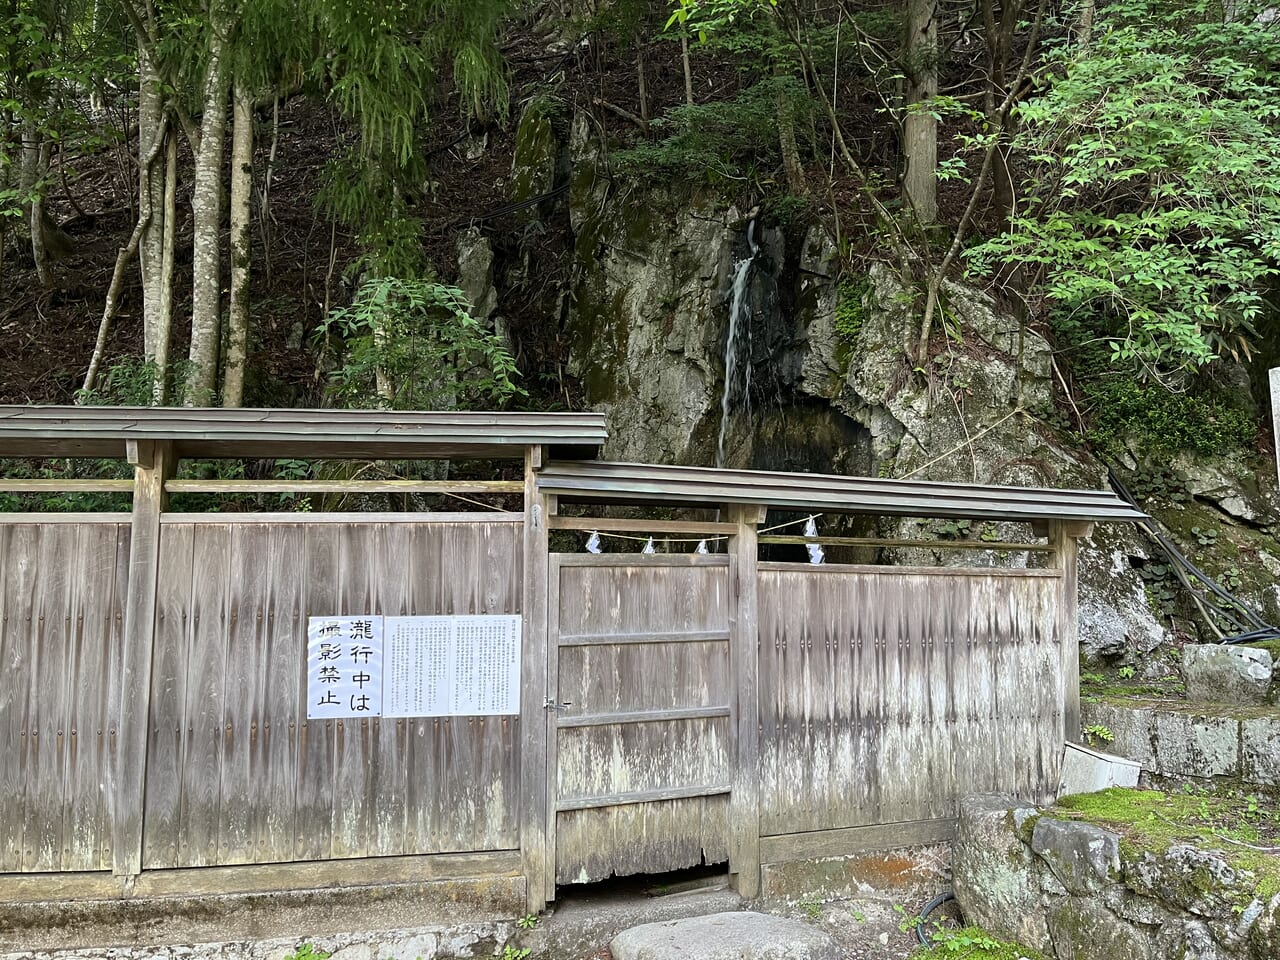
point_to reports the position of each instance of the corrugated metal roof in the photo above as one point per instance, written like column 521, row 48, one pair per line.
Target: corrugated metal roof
column 641, row 483
column 217, row 432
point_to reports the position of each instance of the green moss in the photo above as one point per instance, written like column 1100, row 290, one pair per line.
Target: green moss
column 974, row 943
column 1271, row 646
column 1164, row 422
column 1151, row 821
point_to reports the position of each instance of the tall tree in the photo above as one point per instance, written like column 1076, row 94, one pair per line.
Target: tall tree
column 920, row 127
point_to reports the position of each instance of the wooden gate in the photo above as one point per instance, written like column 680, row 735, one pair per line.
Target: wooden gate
column 641, row 752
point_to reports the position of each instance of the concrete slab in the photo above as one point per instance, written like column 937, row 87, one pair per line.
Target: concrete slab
column 726, row 936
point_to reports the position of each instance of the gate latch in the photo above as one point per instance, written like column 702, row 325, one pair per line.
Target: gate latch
column 549, row 703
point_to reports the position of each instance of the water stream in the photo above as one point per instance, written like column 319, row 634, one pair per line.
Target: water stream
column 739, row 311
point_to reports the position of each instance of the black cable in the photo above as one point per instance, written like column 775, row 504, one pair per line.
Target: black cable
column 944, row 897
column 1247, row 621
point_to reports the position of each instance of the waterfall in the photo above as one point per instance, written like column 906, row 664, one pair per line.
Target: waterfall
column 739, row 310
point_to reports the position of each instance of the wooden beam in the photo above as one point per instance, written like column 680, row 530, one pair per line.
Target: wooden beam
column 535, row 855
column 1275, row 413
column 744, row 658
column 690, row 528
column 850, row 840
column 140, row 453
column 1066, row 559
column 101, row 485
column 343, row 486
column 641, row 716
column 916, row 544
column 130, row 693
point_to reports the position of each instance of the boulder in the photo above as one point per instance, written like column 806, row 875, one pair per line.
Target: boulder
column 1226, row 673
column 1085, row 930
column 1083, row 857
column 993, row 871
column 725, row 936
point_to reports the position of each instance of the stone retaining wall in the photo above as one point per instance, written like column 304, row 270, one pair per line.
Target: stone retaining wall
column 1193, row 741
column 1075, row 892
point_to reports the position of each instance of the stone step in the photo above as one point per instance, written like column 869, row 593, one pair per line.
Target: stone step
column 742, row 935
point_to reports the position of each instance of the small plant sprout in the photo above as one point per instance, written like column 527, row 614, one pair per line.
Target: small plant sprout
column 527, row 922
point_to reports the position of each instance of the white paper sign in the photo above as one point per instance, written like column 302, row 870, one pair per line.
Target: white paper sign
column 452, row 666
column 344, row 667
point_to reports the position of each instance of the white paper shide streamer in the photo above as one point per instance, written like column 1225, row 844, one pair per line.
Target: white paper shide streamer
column 648, row 546
column 815, row 549
column 593, row 543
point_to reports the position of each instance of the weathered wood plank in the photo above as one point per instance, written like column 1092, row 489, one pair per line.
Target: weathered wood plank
column 313, row 819
column 630, row 678
column 535, row 856
column 385, row 796
column 49, row 629
column 598, row 761
column 66, row 486
column 851, row 840
column 340, row 486
column 412, row 519
column 640, row 838
column 640, row 716
column 692, row 528
column 615, row 639
column 773, row 566
column 995, row 546
column 17, row 558
column 131, row 689
column 353, row 749
column 166, row 744
column 93, row 575
column 204, row 716
column 744, row 804
column 273, row 764
column 243, row 684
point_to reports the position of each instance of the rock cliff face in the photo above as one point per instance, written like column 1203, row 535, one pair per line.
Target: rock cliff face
column 822, row 383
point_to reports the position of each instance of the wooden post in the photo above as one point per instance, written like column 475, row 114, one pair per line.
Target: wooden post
column 1063, row 535
column 533, row 690
column 1275, row 414
column 130, row 694
column 744, row 643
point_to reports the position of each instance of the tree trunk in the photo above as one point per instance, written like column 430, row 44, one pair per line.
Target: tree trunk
column 151, row 189
column 206, row 215
column 688, row 72
column 241, row 192
column 790, row 149
column 920, row 129
column 164, row 311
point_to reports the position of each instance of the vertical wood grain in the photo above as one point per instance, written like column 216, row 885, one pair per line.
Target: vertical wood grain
column 166, row 746
column 199, row 816
column 130, row 690
column 744, row 643
column 534, row 660
column 313, row 818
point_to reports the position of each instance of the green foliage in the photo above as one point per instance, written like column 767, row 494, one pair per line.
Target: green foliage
column 528, row 921
column 1098, row 732
column 1153, row 201
column 307, row 952
column 515, row 953
column 383, row 62
column 413, row 344
column 723, row 142
column 851, row 310
column 1163, row 422
column 129, row 383
column 973, row 943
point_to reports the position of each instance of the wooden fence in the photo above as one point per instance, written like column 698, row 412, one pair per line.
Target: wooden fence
column 676, row 709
